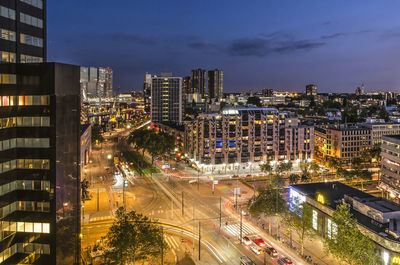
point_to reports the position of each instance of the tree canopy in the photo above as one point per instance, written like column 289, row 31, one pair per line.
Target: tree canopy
column 346, row 242
column 132, row 237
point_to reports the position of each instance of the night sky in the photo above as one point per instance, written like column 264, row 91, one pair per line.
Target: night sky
column 278, row 44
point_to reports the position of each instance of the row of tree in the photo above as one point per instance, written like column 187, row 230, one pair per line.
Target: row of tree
column 278, row 172
column 345, row 242
column 157, row 144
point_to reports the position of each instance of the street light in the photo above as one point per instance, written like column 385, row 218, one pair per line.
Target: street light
column 109, row 156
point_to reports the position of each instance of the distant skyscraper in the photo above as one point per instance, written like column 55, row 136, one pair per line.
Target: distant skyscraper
column 96, row 82
column 147, row 92
column 358, row 91
column 23, row 31
column 166, row 99
column 311, row 90
column 215, row 83
column 108, row 85
column 198, row 79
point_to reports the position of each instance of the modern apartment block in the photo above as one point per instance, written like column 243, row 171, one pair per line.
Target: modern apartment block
column 96, row 82
column 243, row 135
column 23, row 31
column 344, row 141
column 39, row 163
column 215, row 83
column 198, row 81
column 147, row 92
column 380, row 129
column 390, row 166
column 166, row 99
column 311, row 90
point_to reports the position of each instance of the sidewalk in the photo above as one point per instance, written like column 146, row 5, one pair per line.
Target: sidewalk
column 312, row 247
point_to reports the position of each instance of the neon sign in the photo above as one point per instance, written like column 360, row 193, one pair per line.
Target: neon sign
column 320, row 198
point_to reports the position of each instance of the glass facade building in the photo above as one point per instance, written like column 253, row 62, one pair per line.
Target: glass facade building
column 23, row 31
column 40, row 164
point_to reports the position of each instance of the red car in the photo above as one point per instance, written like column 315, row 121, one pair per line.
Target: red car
column 259, row 242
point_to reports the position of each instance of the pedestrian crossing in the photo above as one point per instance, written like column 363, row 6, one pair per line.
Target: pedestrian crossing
column 172, row 243
column 247, row 230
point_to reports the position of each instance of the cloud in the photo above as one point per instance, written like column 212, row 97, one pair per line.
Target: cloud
column 128, row 37
column 305, row 45
column 249, row 47
column 261, row 46
column 334, row 35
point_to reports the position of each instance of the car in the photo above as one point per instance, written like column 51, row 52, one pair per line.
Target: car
column 285, row 261
column 256, row 250
column 248, row 176
column 246, row 241
column 259, row 242
column 272, row 252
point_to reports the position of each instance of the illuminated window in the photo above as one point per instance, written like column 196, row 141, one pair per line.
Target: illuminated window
column 7, row 12
column 7, row 57
column 33, row 21
column 7, row 35
column 35, row 3
column 30, row 59
column 315, row 219
column 31, row 40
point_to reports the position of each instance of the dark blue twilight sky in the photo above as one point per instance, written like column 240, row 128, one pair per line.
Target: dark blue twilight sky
column 277, row 44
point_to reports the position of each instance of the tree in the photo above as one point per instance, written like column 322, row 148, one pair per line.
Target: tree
column 294, row 178
column 315, row 169
column 268, row 202
column 284, row 167
column 346, row 242
column 334, row 162
column 305, row 172
column 132, row 237
column 300, row 220
column 383, row 114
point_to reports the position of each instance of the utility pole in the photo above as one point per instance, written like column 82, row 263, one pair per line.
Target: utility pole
column 162, row 245
column 193, row 229
column 241, row 226
column 183, row 211
column 220, row 211
column 98, row 204
column 123, row 193
column 199, row 240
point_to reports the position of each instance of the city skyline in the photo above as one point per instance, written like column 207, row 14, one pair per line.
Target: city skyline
column 266, row 45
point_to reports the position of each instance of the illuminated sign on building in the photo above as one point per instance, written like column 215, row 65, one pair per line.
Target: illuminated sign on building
column 320, row 198
column 396, row 260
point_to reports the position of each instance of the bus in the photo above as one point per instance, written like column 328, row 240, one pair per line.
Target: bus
column 246, row 261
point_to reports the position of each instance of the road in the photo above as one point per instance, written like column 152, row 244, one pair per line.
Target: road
column 173, row 200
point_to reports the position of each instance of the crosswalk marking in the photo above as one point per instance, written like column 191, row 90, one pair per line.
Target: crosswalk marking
column 171, row 242
column 234, row 229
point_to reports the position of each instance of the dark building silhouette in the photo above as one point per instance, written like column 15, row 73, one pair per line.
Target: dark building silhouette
column 215, row 83
column 23, row 31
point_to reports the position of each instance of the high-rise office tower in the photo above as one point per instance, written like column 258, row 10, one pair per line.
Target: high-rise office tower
column 92, row 83
column 23, row 31
column 108, row 85
column 96, row 82
column 311, row 90
column 101, row 80
column 84, row 80
column 215, row 83
column 147, row 92
column 198, row 79
column 39, row 164
column 166, row 99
